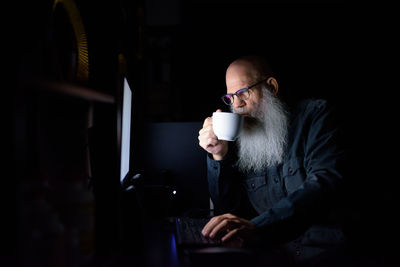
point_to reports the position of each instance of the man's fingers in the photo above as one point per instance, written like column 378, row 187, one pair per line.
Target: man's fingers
column 221, row 227
column 230, row 228
column 207, row 122
column 216, row 224
column 211, row 224
column 205, row 130
column 212, row 142
column 208, row 227
column 230, row 235
column 208, row 139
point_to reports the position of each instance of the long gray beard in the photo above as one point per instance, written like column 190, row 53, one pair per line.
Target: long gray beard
column 263, row 139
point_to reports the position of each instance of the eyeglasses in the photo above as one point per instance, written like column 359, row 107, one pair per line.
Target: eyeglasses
column 242, row 94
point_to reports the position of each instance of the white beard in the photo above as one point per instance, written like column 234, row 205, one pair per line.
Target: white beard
column 263, row 139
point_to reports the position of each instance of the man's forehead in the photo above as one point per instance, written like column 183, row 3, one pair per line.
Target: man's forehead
column 237, row 82
column 239, row 75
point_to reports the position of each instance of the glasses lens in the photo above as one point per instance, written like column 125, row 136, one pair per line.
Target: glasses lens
column 243, row 94
column 227, row 99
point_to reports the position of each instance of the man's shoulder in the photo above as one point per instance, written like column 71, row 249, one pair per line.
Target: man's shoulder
column 309, row 109
column 312, row 104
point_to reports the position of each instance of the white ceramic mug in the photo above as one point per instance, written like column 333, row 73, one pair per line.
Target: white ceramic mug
column 227, row 125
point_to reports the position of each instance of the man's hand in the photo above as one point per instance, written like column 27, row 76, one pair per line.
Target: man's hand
column 229, row 227
column 209, row 141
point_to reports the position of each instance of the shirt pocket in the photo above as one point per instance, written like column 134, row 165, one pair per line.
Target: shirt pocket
column 257, row 192
column 293, row 174
column 255, row 183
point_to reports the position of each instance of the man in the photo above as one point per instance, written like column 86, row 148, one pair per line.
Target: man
column 280, row 183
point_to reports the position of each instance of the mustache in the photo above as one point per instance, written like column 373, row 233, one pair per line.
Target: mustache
column 241, row 110
column 254, row 114
column 249, row 121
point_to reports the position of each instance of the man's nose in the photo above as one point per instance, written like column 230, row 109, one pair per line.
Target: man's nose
column 238, row 103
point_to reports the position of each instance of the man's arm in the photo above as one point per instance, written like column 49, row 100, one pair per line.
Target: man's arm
column 224, row 181
column 227, row 193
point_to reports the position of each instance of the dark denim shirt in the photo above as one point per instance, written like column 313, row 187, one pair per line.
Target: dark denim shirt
column 291, row 197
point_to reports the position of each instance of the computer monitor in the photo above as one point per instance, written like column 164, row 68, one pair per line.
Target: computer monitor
column 125, row 108
column 125, row 129
column 126, row 122
column 111, row 139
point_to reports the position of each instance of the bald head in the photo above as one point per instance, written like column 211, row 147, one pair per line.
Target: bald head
column 249, row 69
column 246, row 71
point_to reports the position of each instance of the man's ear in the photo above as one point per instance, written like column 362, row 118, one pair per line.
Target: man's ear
column 273, row 85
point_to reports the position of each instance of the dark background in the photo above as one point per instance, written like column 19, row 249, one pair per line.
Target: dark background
column 177, row 53
column 182, row 48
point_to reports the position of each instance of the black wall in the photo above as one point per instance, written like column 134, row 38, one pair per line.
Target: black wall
column 177, row 53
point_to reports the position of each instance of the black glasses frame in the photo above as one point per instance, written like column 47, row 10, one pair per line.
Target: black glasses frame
column 236, row 93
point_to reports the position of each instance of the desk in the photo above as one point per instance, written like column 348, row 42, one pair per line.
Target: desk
column 158, row 249
column 153, row 244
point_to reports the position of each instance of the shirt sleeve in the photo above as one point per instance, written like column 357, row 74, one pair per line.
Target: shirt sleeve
column 227, row 194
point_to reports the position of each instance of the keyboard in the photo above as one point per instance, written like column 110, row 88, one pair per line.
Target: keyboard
column 188, row 233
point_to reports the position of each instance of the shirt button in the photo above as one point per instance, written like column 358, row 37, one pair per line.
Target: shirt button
column 253, row 185
column 276, row 180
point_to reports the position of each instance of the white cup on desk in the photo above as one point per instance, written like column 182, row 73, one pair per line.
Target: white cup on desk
column 227, row 125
